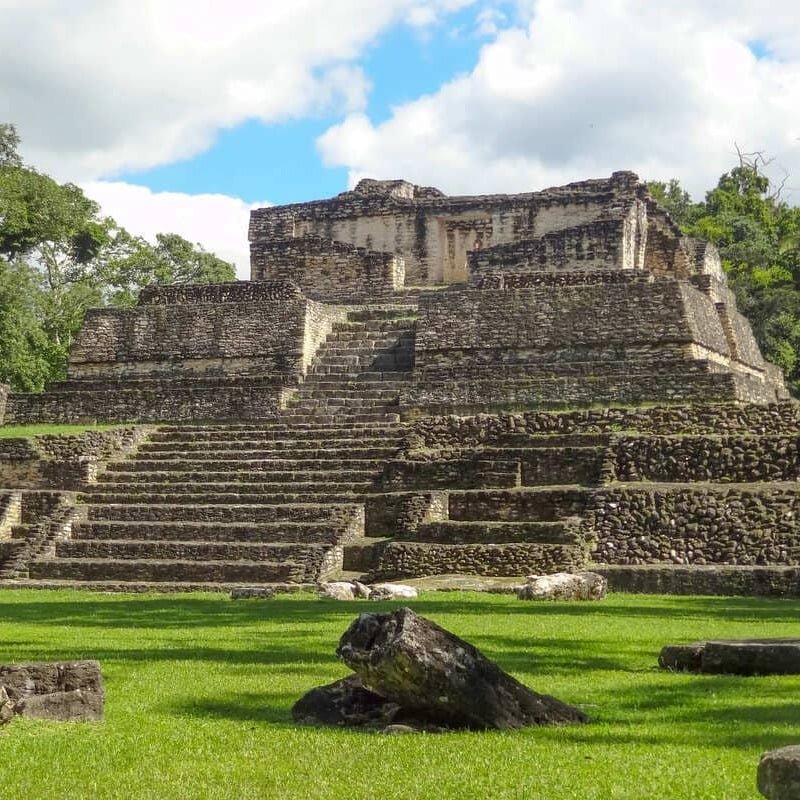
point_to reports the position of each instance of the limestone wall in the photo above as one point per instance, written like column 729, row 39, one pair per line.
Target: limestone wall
column 328, row 270
column 696, row 525
column 434, row 233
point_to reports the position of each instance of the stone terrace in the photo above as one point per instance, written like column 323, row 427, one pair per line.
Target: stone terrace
column 327, row 419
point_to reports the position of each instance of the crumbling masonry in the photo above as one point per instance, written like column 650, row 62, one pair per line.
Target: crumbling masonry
column 417, row 384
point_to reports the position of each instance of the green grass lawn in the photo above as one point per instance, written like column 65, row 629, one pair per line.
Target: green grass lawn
column 200, row 689
column 16, row 431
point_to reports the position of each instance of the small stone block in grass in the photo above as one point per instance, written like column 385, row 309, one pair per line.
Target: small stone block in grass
column 58, row 691
column 253, row 593
column 734, row 657
column 779, row 774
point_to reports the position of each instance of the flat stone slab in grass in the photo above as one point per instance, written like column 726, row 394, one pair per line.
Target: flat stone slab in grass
column 253, row 593
column 466, row 583
column 734, row 657
column 779, row 774
column 65, row 691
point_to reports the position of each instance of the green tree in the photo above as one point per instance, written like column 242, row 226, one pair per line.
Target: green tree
column 758, row 236
column 64, row 257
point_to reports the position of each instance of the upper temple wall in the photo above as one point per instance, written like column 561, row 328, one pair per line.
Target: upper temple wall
column 434, row 234
column 604, row 224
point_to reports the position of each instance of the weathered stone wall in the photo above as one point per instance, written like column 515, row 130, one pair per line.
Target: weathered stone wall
column 721, row 459
column 328, row 270
column 62, row 462
column 434, row 233
column 696, row 525
column 599, row 245
column 451, row 432
column 192, row 340
column 203, row 294
column 708, row 580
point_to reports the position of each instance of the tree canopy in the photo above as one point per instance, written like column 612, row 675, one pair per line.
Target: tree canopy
column 60, row 256
column 758, row 236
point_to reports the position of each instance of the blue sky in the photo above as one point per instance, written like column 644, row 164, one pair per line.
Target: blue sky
column 280, row 161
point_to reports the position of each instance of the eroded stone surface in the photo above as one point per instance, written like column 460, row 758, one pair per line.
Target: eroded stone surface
column 392, row 591
column 253, row 592
column 413, row 673
column 59, row 691
column 564, row 586
column 779, row 773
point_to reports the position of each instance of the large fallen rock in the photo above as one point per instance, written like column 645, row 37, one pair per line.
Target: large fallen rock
column 779, row 774
column 62, row 691
column 439, row 679
column 734, row 657
column 564, row 586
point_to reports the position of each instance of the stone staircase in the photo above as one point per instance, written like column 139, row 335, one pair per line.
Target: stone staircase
column 535, row 526
column 220, row 506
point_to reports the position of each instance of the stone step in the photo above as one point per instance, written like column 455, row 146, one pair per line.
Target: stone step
column 358, row 345
column 262, row 467
column 175, row 480
column 345, row 462
column 325, row 450
column 216, row 494
column 195, row 550
column 335, row 404
column 547, row 466
column 518, row 505
column 265, row 489
column 392, row 360
column 173, row 571
column 341, row 417
column 281, row 426
column 330, row 516
column 386, row 313
column 351, row 372
column 314, row 390
column 285, row 532
column 404, row 559
column 401, row 325
column 528, row 441
column 152, row 586
column 456, row 532
column 323, row 383
column 244, row 439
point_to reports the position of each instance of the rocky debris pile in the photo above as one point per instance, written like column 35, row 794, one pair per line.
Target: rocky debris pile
column 779, row 774
column 734, row 657
column 355, row 590
column 564, row 586
column 61, row 691
column 413, row 675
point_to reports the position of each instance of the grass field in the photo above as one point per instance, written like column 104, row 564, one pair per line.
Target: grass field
column 16, row 431
column 200, row 688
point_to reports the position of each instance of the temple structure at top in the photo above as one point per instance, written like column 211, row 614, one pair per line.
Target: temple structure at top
column 580, row 295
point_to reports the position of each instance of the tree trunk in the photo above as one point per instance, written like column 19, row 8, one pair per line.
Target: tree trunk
column 422, row 667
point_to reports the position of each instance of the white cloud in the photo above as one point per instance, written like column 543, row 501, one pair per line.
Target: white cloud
column 216, row 221
column 97, row 87
column 585, row 88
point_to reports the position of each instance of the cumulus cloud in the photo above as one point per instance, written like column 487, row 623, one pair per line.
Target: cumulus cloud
column 98, row 87
column 585, row 88
column 216, row 221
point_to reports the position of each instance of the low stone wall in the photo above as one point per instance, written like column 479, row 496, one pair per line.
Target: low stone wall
column 62, row 462
column 443, row 432
column 595, row 245
column 166, row 404
column 463, row 473
column 234, row 292
column 715, row 580
column 400, row 513
column 724, row 459
column 328, row 270
column 417, row 559
column 695, row 525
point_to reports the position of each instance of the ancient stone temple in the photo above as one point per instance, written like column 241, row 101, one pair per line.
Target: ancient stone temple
column 418, row 384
